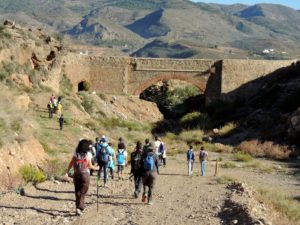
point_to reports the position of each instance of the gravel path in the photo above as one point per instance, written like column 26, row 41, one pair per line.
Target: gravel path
column 178, row 199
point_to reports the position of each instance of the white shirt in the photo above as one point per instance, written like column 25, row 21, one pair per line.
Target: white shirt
column 156, row 145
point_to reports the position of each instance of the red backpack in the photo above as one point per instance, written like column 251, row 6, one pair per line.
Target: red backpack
column 81, row 163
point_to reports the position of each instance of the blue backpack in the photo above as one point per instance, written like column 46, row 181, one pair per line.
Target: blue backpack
column 190, row 154
column 103, row 154
column 161, row 148
column 149, row 162
column 120, row 158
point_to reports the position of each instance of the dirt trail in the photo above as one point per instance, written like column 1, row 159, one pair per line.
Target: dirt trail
column 178, row 199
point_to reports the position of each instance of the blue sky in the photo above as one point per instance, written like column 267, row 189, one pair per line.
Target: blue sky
column 291, row 3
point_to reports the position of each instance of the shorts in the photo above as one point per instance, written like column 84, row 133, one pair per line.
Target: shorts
column 120, row 168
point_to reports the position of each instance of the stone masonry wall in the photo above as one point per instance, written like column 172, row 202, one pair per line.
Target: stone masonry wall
column 238, row 72
column 125, row 75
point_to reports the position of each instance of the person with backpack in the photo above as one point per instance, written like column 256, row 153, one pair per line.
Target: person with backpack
column 190, row 159
column 135, row 161
column 111, row 163
column 121, row 159
column 102, row 156
column 81, row 163
column 203, row 156
column 146, row 146
column 157, row 143
column 121, row 143
column 50, row 109
column 150, row 171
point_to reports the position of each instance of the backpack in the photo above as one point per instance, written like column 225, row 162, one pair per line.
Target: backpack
column 120, row 158
column 203, row 155
column 149, row 162
column 190, row 154
column 103, row 154
column 136, row 161
column 161, row 148
column 81, row 163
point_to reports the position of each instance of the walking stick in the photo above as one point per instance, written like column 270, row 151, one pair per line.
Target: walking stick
column 97, row 191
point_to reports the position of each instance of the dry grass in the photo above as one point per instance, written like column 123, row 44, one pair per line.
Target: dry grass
column 287, row 206
column 266, row 149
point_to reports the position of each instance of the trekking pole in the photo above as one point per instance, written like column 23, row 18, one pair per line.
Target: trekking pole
column 97, row 191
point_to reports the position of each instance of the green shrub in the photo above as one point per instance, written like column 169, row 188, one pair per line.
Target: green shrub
column 86, row 86
column 242, row 157
column 196, row 120
column 32, row 174
column 227, row 128
column 229, row 165
column 88, row 103
column 191, row 136
column 225, row 180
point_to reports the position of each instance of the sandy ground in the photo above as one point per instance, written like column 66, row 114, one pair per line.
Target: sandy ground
column 178, row 199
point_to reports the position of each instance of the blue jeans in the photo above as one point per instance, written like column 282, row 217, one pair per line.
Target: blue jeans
column 203, row 168
column 190, row 167
column 103, row 166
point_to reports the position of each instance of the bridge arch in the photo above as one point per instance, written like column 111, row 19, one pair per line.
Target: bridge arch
column 154, row 80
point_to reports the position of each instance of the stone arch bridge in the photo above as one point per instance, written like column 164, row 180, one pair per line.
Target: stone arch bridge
column 125, row 75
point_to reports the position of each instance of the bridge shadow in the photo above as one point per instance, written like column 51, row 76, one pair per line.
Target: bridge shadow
column 260, row 108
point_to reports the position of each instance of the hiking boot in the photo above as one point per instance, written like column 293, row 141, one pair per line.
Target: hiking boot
column 136, row 195
column 79, row 212
column 150, row 203
column 144, row 198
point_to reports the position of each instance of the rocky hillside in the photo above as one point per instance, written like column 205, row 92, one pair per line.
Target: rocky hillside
column 131, row 25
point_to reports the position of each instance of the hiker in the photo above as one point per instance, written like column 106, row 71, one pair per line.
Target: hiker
column 190, row 159
column 111, row 163
column 54, row 102
column 93, row 152
column 146, row 146
column 61, row 122
column 157, row 143
column 203, row 156
column 135, row 161
column 162, row 153
column 59, row 110
column 51, row 98
column 81, row 163
column 121, row 159
column 121, row 143
column 50, row 109
column 102, row 156
column 149, row 173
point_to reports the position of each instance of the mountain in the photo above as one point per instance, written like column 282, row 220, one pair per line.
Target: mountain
column 134, row 26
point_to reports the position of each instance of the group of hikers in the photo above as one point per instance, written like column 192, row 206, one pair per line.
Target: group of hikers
column 145, row 161
column 55, row 106
column 203, row 157
column 101, row 157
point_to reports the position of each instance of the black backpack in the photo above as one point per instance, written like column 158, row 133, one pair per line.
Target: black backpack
column 136, row 161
